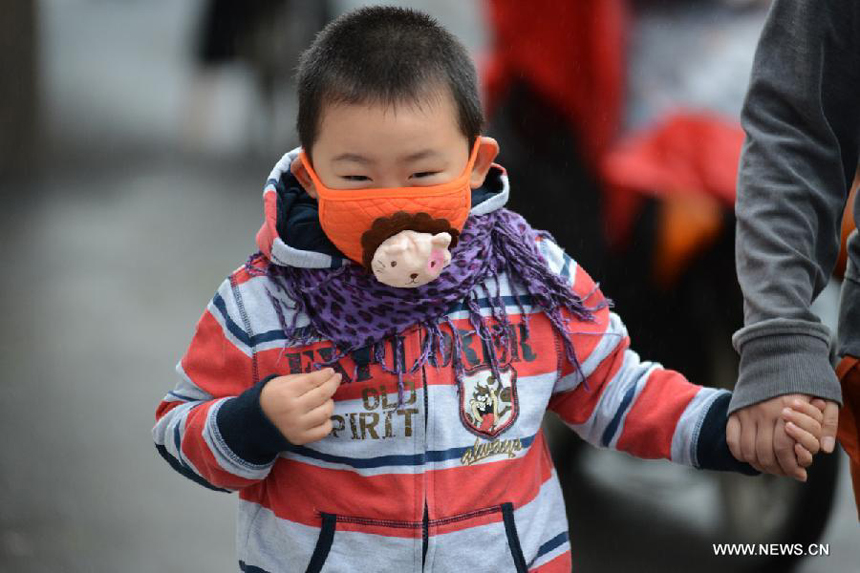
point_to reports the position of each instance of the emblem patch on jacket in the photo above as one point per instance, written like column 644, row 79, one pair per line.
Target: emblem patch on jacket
column 489, row 406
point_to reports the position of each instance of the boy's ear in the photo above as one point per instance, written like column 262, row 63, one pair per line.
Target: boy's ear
column 488, row 149
column 297, row 168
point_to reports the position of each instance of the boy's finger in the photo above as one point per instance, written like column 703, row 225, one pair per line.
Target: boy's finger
column 810, row 425
column 803, row 437
column 319, row 395
column 808, row 409
column 306, row 382
column 804, row 458
column 318, row 433
column 319, row 415
column 783, row 445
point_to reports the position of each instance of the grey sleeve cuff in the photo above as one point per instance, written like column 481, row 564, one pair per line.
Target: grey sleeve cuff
column 782, row 356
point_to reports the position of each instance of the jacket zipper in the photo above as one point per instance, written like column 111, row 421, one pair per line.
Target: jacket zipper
column 425, row 521
column 424, row 535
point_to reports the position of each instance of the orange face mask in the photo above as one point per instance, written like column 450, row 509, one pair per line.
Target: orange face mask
column 346, row 215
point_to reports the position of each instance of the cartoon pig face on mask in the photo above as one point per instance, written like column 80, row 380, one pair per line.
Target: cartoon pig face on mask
column 411, row 259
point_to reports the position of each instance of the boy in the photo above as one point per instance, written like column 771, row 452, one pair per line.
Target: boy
column 369, row 427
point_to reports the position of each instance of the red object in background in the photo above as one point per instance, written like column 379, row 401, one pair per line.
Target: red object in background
column 572, row 53
column 684, row 153
column 848, row 372
column 685, row 156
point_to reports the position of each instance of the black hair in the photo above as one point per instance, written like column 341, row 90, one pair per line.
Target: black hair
column 388, row 55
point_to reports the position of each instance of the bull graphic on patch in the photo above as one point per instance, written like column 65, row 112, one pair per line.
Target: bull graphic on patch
column 489, row 406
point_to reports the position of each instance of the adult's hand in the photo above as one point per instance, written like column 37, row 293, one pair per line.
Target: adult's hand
column 756, row 434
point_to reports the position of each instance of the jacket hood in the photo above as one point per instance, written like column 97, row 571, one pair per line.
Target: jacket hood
column 291, row 234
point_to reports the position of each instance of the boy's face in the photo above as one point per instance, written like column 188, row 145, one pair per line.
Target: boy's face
column 363, row 146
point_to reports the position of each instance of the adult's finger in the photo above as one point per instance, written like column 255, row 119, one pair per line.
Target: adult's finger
column 828, row 427
column 757, row 467
column 764, row 449
column 748, row 440
column 783, row 447
column 733, row 437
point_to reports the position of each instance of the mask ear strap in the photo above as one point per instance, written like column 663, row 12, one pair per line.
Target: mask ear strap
column 306, row 162
column 473, row 156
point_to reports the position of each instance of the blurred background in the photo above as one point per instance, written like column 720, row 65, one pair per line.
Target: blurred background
column 135, row 137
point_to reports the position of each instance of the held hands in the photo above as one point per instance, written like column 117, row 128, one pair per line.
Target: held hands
column 301, row 405
column 780, row 436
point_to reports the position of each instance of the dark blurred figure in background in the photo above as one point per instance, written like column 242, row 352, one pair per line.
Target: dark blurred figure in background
column 18, row 86
column 267, row 37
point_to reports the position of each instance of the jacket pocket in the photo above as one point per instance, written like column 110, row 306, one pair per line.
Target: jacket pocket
column 513, row 537
column 480, row 540
column 323, row 546
column 365, row 544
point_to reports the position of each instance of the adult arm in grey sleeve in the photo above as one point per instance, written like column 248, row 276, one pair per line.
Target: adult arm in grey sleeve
column 802, row 121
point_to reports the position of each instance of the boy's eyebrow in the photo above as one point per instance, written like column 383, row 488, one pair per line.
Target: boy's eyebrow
column 412, row 157
column 353, row 157
column 423, row 154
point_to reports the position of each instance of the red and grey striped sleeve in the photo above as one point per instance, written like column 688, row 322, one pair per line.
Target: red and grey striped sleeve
column 210, row 427
column 616, row 400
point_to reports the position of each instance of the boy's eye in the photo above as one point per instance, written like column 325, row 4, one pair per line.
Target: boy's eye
column 356, row 177
column 421, row 174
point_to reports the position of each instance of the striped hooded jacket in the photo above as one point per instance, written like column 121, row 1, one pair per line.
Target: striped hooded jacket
column 449, row 481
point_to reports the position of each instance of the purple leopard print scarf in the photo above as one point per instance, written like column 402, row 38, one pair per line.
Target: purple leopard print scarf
column 352, row 309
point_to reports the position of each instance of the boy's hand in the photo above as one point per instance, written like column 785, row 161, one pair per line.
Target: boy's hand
column 301, row 405
column 803, row 422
